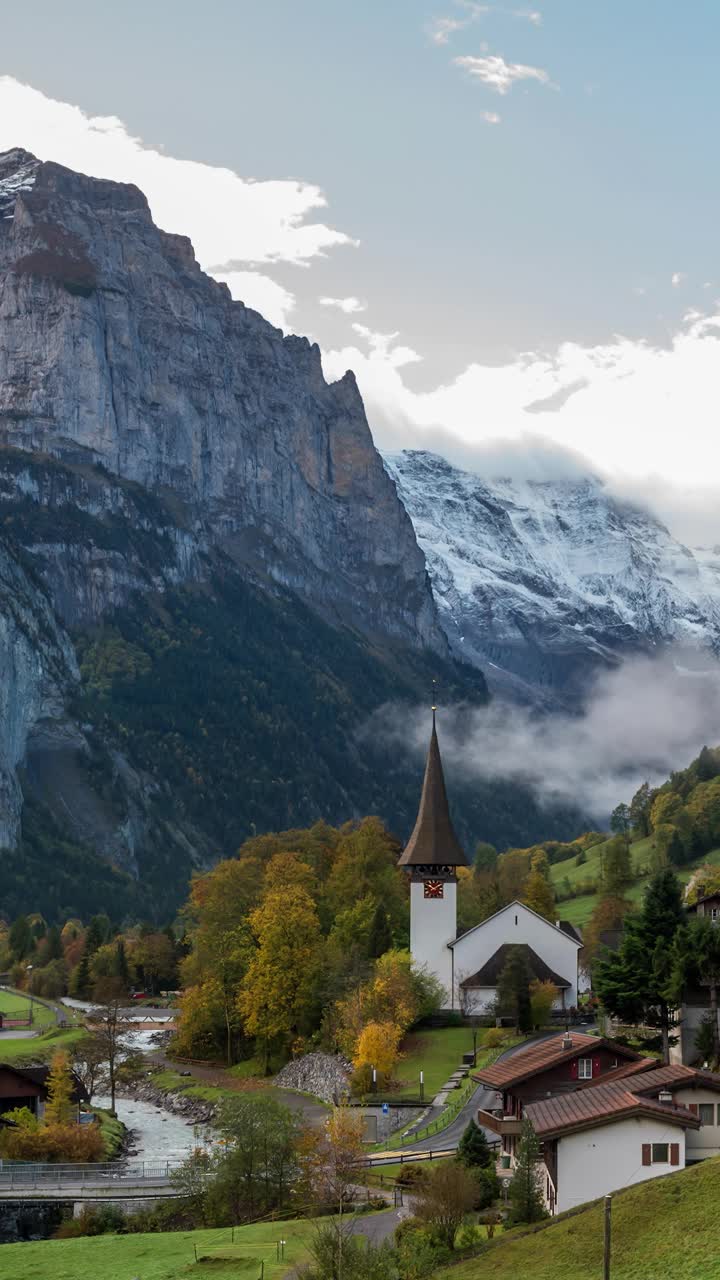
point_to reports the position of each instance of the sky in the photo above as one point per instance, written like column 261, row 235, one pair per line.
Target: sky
column 502, row 216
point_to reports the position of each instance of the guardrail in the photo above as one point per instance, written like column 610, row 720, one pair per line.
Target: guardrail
column 15, row 1175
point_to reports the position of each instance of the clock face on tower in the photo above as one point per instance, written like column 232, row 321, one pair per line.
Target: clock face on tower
column 433, row 888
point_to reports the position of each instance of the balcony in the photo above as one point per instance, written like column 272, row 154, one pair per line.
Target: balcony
column 509, row 1126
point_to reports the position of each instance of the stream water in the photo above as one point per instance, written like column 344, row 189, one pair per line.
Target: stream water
column 157, row 1134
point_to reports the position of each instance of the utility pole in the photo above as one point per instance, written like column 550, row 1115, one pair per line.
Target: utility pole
column 608, row 1233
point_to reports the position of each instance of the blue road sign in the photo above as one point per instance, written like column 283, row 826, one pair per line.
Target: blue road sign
column 385, row 1109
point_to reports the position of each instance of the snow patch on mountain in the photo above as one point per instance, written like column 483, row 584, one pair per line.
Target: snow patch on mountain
column 542, row 583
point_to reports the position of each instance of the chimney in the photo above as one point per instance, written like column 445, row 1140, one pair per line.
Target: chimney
column 665, row 1097
column 567, row 1041
column 557, row 924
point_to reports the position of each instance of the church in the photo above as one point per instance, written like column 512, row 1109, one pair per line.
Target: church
column 468, row 967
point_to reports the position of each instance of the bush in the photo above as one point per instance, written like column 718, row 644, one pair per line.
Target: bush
column 93, row 1222
column 488, row 1187
column 494, row 1037
column 411, row 1175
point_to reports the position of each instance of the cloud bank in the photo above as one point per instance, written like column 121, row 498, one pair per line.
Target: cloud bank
column 641, row 721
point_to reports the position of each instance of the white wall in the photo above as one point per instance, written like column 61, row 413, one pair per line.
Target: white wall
column 517, row 924
column 433, row 924
column 604, row 1159
column 704, row 1141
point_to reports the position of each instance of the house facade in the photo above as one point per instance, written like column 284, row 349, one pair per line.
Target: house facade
column 478, row 956
column 27, row 1087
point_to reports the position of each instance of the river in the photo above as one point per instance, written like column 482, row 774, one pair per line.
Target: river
column 157, row 1134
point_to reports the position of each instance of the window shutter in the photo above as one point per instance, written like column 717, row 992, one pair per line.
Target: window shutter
column 574, row 1068
column 674, row 1152
column 596, row 1066
column 694, row 1108
column 646, row 1154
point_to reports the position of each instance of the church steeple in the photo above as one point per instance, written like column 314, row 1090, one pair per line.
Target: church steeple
column 433, row 842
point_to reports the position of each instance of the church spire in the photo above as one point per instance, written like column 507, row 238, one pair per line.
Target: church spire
column 433, row 842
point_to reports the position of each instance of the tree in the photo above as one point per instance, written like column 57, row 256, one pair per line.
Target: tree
column 703, row 881
column 88, row 1063
column 621, row 822
column 633, row 982
column 707, row 764
column 640, row 806
column 543, row 996
column 538, row 891
column 110, row 1028
column 513, row 989
column 486, row 857
column 524, row 1192
column 444, row 1199
column 380, row 939
column 705, row 1038
column 513, row 868
column 280, row 987
column 258, row 1168
column 20, row 938
column 378, row 1046
column 696, row 959
column 607, row 917
column 617, row 871
column 81, row 981
column 59, row 1108
column 474, row 1149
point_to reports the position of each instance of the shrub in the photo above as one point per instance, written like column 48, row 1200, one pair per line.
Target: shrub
column 494, row 1037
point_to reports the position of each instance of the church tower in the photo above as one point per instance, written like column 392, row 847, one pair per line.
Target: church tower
column 431, row 857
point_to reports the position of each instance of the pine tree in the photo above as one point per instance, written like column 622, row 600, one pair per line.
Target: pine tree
column 474, row 1148
column 81, row 982
column 121, row 965
column 59, row 1108
column 524, row 1193
column 380, row 939
column 513, row 989
column 640, row 806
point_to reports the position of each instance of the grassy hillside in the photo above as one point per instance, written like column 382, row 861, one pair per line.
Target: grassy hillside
column 664, row 1228
column 163, row 1256
column 578, row 910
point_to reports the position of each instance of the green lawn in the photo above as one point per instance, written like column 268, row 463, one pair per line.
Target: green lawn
column 437, row 1052
column 38, row 1048
column 663, row 1228
column 163, row 1256
column 14, row 1005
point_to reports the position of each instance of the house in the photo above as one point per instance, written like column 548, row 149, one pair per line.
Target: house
column 479, row 955
column 707, row 904
column 608, row 1136
column 698, row 1092
column 27, row 1087
column 468, row 967
column 557, row 1065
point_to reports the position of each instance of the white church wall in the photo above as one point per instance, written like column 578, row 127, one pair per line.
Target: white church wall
column 432, row 927
column 517, row 924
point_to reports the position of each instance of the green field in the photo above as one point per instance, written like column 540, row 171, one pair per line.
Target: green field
column 38, row 1048
column 665, row 1229
column 15, row 1005
column 578, row 910
column 437, row 1052
column 163, row 1256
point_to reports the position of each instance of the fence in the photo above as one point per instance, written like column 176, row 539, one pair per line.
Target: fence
column 14, row 1174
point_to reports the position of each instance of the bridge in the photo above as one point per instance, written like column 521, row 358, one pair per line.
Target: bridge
column 127, row 1180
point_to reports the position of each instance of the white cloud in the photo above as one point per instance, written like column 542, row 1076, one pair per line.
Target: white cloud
column 350, row 306
column 677, row 278
column 261, row 293
column 498, row 74
column 232, row 221
column 490, row 117
column 530, row 15
column 442, row 28
column 645, row 414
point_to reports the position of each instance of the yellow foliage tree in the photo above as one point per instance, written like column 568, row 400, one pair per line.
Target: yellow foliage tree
column 277, row 992
column 59, row 1108
column 542, row 998
column 378, row 1046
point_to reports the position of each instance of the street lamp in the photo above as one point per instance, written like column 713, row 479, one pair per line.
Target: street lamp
column 28, row 970
column 422, row 1086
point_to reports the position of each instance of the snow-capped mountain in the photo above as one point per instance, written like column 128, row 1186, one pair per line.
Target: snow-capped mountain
column 541, row 583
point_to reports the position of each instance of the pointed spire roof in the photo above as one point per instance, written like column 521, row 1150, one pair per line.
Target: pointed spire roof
column 433, row 842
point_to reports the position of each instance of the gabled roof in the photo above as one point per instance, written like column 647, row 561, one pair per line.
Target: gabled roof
column 489, row 975
column 603, row 1104
column 676, row 1076
column 38, row 1076
column 571, row 930
column 544, row 1054
column 514, row 905
column 433, row 842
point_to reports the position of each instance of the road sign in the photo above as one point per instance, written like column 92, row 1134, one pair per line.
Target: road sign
column 385, row 1109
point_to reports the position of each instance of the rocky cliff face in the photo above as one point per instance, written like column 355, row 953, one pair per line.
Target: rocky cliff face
column 116, row 349
column 542, row 583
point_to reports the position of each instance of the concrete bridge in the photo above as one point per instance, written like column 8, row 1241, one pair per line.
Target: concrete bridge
column 129, row 1180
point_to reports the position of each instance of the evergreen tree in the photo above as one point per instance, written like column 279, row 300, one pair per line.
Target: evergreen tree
column 121, row 969
column 81, row 981
column 380, row 938
column 513, row 989
column 633, row 982
column 617, row 868
column 474, row 1148
column 486, row 856
column 52, row 946
column 97, row 934
column 620, row 822
column 20, row 938
column 707, row 765
column 524, row 1193
column 640, row 806
column 696, row 959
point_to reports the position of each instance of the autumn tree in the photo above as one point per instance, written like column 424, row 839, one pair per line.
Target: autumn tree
column 378, row 1047
column 444, row 1199
column 365, row 865
column 59, row 1108
column 110, row 1028
column 607, row 917
column 543, row 996
column 537, row 891
column 279, row 989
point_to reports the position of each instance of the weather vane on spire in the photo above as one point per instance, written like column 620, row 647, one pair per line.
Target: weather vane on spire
column 434, row 703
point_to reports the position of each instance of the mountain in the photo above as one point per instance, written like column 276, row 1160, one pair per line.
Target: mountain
column 208, row 583
column 543, row 583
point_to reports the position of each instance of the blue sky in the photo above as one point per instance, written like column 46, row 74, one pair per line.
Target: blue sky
column 521, row 248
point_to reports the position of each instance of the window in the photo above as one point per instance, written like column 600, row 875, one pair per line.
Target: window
column 714, row 914
column 660, row 1153
column 585, row 1069
column 706, row 1111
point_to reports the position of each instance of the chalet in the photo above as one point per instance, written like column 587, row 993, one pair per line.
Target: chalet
column 707, row 904
column 696, row 1091
column 27, row 1087
column 558, row 1065
column 608, row 1136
